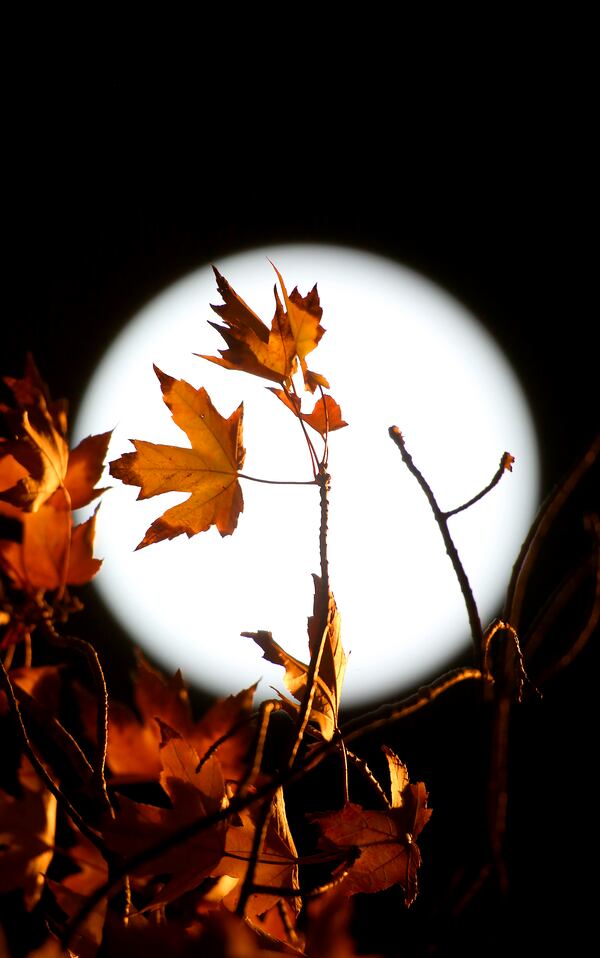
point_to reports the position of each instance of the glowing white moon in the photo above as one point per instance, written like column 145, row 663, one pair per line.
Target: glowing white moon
column 398, row 350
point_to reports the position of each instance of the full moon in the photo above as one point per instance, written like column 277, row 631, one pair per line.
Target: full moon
column 398, row 350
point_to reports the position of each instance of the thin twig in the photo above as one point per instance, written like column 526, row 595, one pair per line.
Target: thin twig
column 262, row 825
column 522, row 570
column 440, row 518
column 317, row 654
column 545, row 518
column 505, row 464
column 41, row 770
column 265, row 712
column 91, row 656
column 344, row 757
column 591, row 624
column 229, row 734
column 386, row 714
column 313, row 455
column 556, row 602
column 362, row 766
column 56, row 731
column 285, row 921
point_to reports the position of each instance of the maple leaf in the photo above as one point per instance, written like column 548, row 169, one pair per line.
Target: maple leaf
column 209, row 470
column 328, row 927
column 38, row 442
column 133, row 753
column 304, row 316
column 35, row 462
column 88, row 936
column 194, row 795
column 386, row 839
column 40, row 483
column 325, row 417
column 325, row 621
column 27, row 826
column 269, row 353
column 52, row 553
column 277, row 864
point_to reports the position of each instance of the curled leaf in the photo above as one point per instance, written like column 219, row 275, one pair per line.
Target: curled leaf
column 325, row 417
column 323, row 624
column 269, row 353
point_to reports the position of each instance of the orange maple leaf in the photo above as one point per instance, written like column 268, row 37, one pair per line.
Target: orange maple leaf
column 326, row 415
column 35, row 462
column 328, row 684
column 209, row 470
column 133, row 753
column 277, row 865
column 52, row 553
column 269, row 353
column 386, row 839
column 27, row 826
column 41, row 482
column 193, row 795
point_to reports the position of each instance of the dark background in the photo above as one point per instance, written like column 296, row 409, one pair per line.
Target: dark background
column 115, row 192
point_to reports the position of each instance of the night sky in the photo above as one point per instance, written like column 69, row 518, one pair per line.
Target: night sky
column 113, row 196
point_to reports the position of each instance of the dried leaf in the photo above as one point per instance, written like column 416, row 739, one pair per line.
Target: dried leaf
column 40, row 483
column 208, row 470
column 84, row 469
column 88, row 936
column 27, row 826
column 326, row 415
column 304, row 317
column 39, row 442
column 277, row 865
column 253, row 348
column 325, row 621
column 386, row 839
column 269, row 353
column 134, row 740
column 193, row 795
column 52, row 554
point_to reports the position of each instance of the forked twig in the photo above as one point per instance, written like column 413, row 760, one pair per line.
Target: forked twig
column 91, row 656
column 441, row 519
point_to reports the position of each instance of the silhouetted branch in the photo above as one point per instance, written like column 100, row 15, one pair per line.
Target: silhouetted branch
column 441, row 519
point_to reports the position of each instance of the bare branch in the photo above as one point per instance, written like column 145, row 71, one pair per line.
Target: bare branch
column 441, row 519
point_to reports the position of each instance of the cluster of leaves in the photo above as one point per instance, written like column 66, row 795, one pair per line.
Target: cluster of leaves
column 207, row 855
column 145, row 827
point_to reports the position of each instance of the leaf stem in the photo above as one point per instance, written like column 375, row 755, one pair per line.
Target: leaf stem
column 309, row 443
column 279, row 482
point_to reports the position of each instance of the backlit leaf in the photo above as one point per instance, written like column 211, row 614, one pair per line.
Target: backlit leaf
column 208, row 470
column 324, row 623
column 269, row 353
